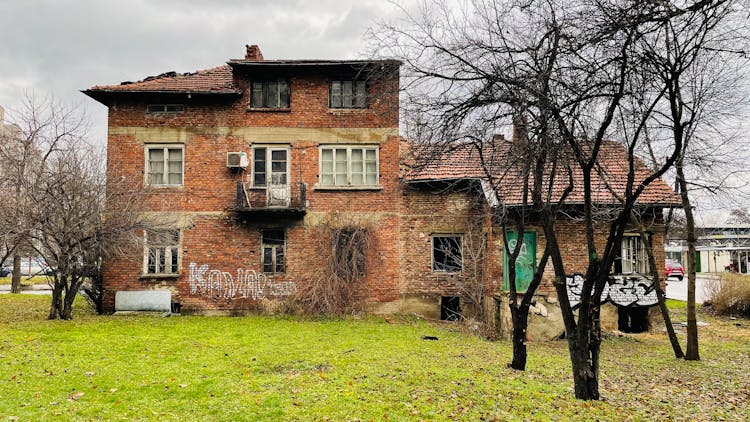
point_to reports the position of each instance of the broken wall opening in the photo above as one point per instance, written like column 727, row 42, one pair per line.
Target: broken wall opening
column 450, row 308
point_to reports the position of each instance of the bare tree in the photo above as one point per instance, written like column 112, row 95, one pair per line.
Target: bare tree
column 578, row 67
column 70, row 215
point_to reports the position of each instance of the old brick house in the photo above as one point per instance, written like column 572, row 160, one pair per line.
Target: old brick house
column 250, row 157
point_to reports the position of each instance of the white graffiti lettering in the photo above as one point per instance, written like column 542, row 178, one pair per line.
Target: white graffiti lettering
column 248, row 284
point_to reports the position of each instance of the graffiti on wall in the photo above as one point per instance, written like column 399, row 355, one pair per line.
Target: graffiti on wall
column 619, row 290
column 248, row 284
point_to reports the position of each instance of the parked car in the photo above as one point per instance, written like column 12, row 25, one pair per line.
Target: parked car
column 673, row 268
column 5, row 271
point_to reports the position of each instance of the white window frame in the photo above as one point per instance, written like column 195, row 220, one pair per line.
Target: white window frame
column 269, row 148
column 637, row 261
column 165, row 148
column 348, row 149
column 167, row 250
column 432, row 252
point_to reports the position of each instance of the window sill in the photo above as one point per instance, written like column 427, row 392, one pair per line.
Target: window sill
column 177, row 187
column 347, row 110
column 147, row 277
column 348, row 187
column 269, row 109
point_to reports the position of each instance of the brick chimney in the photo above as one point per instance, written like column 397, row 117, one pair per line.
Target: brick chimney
column 253, row 53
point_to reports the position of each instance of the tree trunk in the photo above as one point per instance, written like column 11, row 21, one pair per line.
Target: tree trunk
column 55, row 307
column 676, row 348
column 15, row 283
column 584, row 357
column 520, row 316
column 691, row 352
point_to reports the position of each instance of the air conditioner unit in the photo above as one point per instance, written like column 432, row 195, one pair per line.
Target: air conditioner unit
column 237, row 160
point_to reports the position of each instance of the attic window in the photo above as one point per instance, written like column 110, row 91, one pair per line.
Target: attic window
column 165, row 108
column 347, row 94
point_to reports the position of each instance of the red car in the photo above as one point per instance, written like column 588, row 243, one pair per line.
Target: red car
column 673, row 268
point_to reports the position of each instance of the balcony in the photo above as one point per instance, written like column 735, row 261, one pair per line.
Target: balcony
column 274, row 201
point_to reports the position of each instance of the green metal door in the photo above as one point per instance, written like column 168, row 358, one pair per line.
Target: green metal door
column 525, row 263
column 697, row 262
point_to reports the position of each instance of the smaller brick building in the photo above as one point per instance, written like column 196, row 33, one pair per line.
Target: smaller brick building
column 252, row 159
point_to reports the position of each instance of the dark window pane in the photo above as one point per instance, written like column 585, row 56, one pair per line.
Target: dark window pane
column 174, row 260
column 268, row 259
column 151, row 261
column 175, row 108
column 446, row 253
column 346, row 94
column 259, row 166
column 335, row 101
column 272, row 94
column 283, row 94
column 279, row 259
column 257, row 94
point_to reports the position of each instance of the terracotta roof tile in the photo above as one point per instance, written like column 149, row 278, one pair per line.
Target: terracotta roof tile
column 215, row 80
column 465, row 162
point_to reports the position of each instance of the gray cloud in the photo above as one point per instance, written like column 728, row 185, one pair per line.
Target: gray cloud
column 63, row 46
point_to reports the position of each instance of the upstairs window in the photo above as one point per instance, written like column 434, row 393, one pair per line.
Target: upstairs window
column 446, row 254
column 269, row 94
column 348, row 166
column 164, row 165
column 162, row 252
column 165, row 108
column 273, row 245
column 347, row 94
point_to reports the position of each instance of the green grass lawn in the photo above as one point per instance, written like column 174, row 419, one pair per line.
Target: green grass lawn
column 271, row 368
column 25, row 280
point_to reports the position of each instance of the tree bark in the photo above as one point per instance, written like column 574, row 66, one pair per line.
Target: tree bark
column 520, row 316
column 15, row 283
column 56, row 302
column 691, row 352
column 676, row 348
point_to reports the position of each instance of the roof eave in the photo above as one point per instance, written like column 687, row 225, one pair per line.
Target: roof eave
column 103, row 95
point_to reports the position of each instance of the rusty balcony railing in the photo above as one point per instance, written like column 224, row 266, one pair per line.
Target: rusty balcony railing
column 282, row 199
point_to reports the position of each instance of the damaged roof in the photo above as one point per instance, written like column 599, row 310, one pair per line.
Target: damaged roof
column 500, row 163
column 220, row 80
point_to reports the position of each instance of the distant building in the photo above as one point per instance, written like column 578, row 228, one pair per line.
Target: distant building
column 723, row 248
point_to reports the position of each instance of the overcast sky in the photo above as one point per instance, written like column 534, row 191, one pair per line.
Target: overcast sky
column 59, row 47
column 63, row 46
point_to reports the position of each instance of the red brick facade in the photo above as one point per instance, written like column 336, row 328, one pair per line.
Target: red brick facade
column 220, row 256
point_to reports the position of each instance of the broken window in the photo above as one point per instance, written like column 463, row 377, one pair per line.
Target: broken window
column 633, row 258
column 273, row 246
column 270, row 94
column 164, row 165
column 347, row 94
column 162, row 252
column 446, row 254
column 348, row 166
column 349, row 245
column 165, row 108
